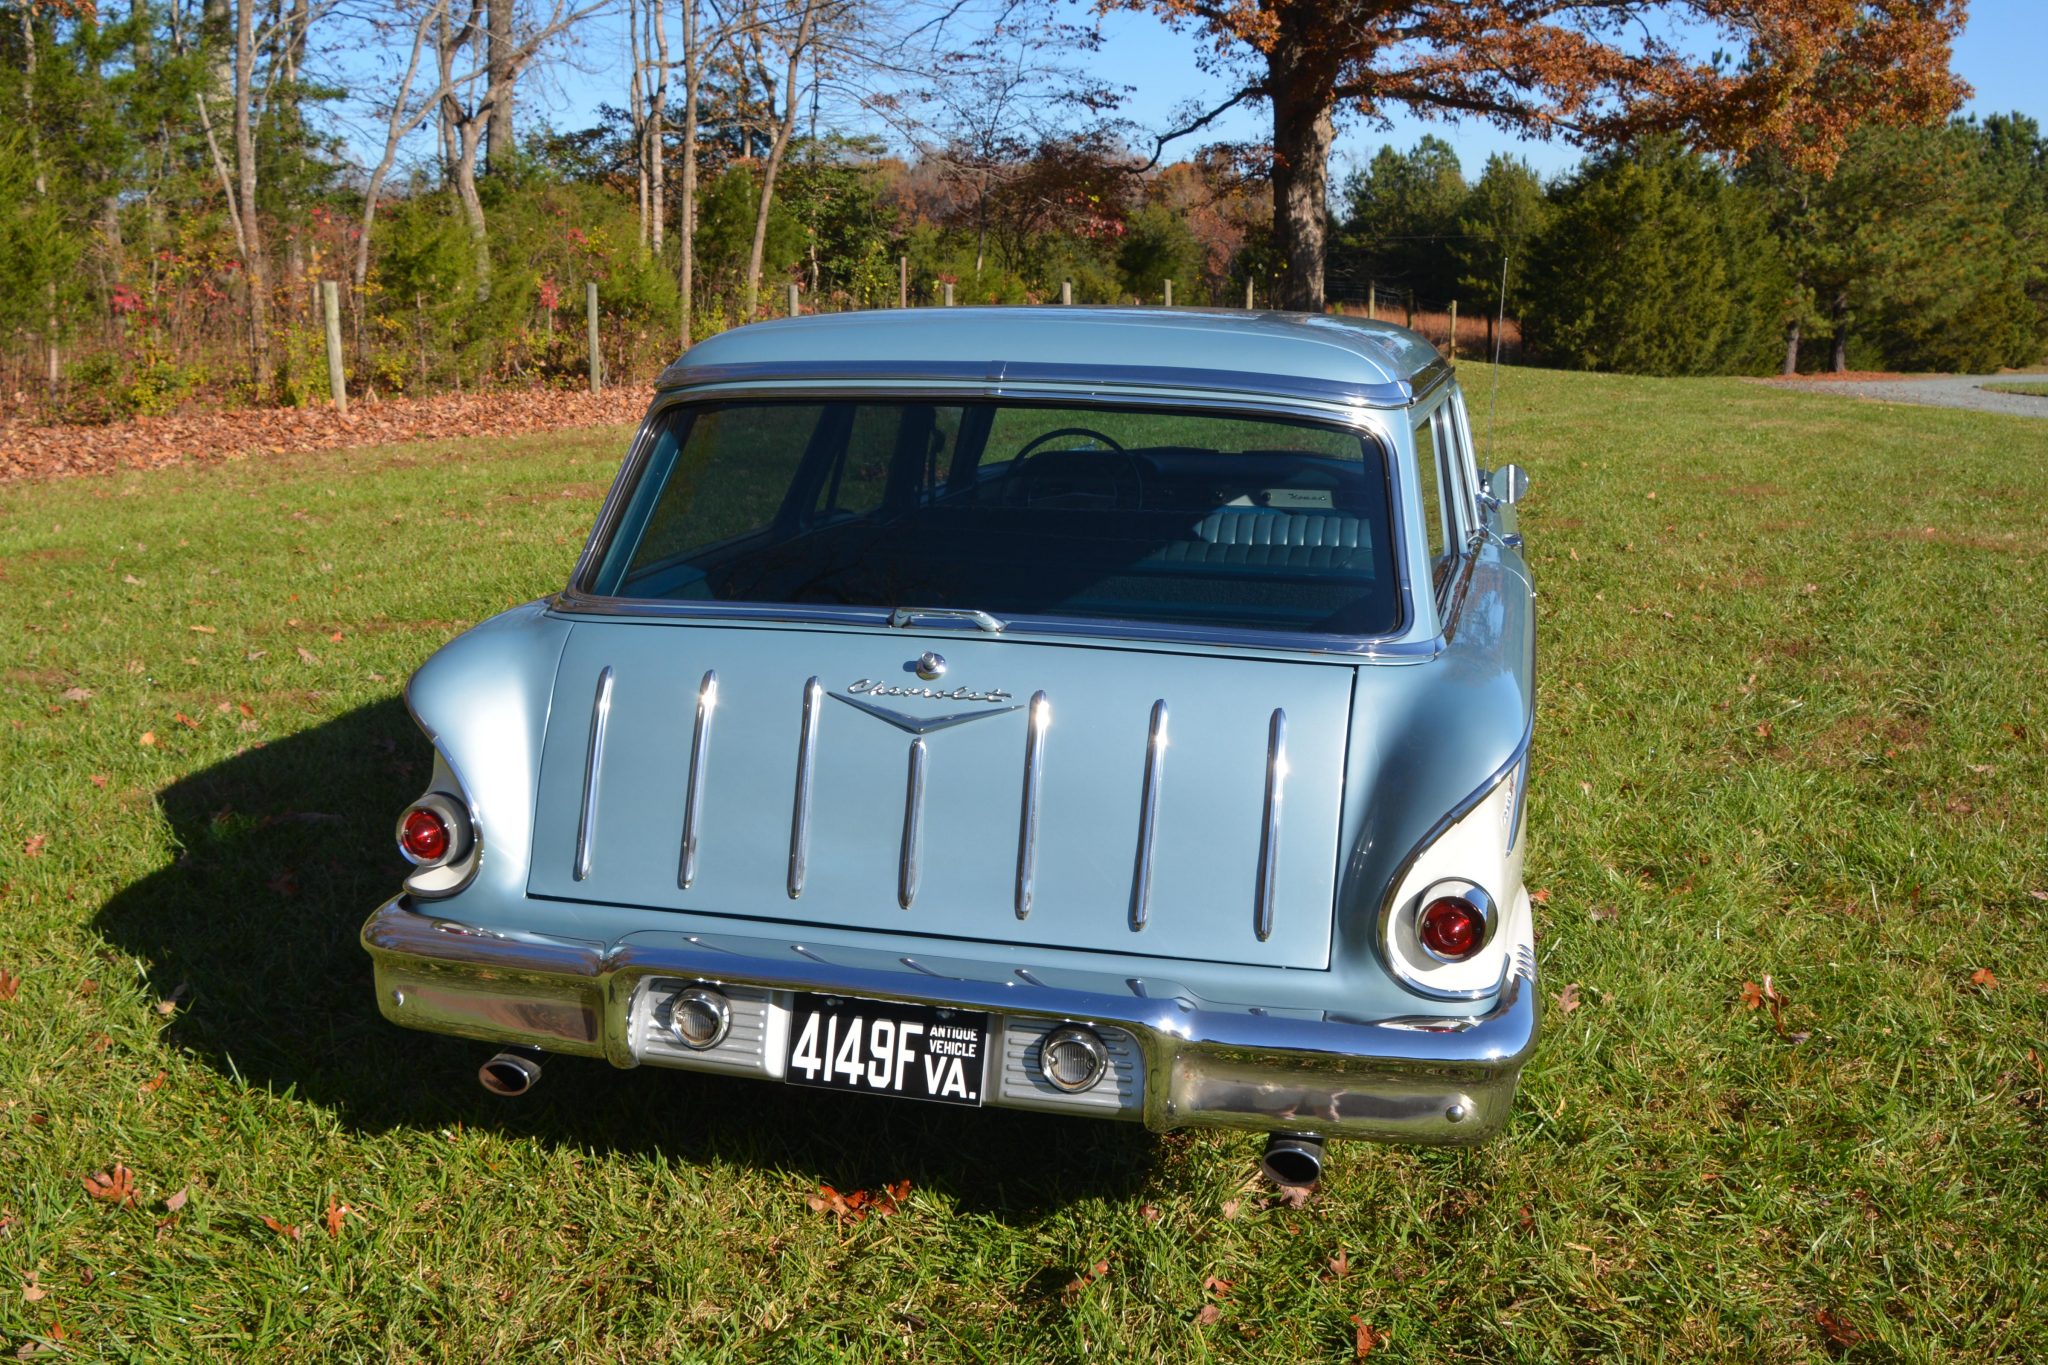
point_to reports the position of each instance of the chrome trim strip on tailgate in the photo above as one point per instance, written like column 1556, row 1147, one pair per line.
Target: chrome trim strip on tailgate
column 1027, row 832
column 800, row 813
column 913, row 826
column 1269, row 836
column 693, row 799
column 593, row 768
column 1148, row 812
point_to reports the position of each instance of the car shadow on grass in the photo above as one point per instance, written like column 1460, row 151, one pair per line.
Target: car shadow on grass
column 285, row 850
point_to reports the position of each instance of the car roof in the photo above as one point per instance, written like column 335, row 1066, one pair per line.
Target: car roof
column 1351, row 360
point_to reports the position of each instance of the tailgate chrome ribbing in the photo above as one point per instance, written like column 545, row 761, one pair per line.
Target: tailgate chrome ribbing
column 1039, row 717
column 1269, row 835
column 693, row 799
column 1148, row 811
column 800, row 812
column 593, row 768
column 913, row 826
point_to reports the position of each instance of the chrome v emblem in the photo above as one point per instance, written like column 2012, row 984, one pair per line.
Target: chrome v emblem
column 922, row 725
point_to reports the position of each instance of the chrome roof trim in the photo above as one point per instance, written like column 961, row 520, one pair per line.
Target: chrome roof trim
column 1002, row 376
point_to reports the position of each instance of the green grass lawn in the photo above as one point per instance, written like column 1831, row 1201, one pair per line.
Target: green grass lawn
column 2027, row 387
column 1793, row 725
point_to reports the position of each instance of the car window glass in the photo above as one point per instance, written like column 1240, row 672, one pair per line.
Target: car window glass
column 1429, row 474
column 857, row 480
column 1457, row 495
column 1229, row 519
column 727, row 471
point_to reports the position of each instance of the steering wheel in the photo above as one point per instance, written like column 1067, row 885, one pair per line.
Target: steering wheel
column 1020, row 474
column 1090, row 432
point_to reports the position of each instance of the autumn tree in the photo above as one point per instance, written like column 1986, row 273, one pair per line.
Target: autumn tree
column 1793, row 73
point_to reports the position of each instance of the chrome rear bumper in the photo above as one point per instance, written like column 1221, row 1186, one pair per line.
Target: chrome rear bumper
column 1182, row 1062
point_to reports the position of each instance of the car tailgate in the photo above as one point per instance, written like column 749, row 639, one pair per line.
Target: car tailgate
column 908, row 813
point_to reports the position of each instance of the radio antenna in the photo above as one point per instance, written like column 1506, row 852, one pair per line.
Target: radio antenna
column 1499, row 337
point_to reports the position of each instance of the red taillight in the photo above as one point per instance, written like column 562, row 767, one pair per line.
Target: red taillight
column 424, row 835
column 1452, row 928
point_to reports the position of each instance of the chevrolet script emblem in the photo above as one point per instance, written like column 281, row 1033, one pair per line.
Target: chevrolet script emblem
column 858, row 695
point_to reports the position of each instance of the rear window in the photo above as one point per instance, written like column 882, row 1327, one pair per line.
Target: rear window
column 1013, row 509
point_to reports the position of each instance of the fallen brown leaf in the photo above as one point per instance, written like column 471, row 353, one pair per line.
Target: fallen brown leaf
column 76, row 694
column 335, row 1213
column 186, row 721
column 10, row 985
column 1837, row 1328
column 178, row 1200
column 1365, row 1339
column 306, row 656
column 1567, row 999
column 1984, row 977
column 153, row 1084
column 1294, row 1196
column 1230, row 1207
column 203, row 630
column 334, row 638
column 2039, row 895
column 1340, row 1265
column 283, row 1229
column 1541, row 895
column 1220, row 1288
column 33, row 846
column 1148, row 1212
column 1208, row 1314
column 32, row 1291
column 98, row 779
column 116, row 1187
column 148, row 739
column 1755, row 996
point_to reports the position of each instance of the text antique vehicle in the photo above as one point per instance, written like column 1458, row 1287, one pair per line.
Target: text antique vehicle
column 1112, row 712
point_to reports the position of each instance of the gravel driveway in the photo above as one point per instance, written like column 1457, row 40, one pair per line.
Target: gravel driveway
column 1957, row 391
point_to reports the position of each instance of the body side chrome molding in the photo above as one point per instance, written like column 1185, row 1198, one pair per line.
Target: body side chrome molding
column 593, row 769
column 1148, row 814
column 800, row 810
column 1027, row 828
column 693, row 799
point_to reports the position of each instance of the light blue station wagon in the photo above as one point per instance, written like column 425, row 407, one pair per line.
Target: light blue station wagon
column 1111, row 712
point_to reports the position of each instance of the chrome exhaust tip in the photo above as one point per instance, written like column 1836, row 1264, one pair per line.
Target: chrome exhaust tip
column 1293, row 1159
column 510, row 1074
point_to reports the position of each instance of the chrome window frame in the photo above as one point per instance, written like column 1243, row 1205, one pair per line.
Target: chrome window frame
column 1413, row 636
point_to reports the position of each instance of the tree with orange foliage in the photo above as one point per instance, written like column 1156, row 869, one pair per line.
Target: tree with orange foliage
column 1798, row 75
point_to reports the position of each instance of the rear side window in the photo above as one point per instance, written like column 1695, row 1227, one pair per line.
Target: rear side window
column 1429, row 475
column 1014, row 509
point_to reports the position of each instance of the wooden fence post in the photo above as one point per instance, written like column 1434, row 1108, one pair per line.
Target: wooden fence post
column 1408, row 297
column 1169, row 293
column 1247, row 296
column 590, row 313
column 1066, row 291
column 337, row 383
column 949, row 293
column 1454, row 329
column 1372, row 300
column 796, row 300
column 903, row 282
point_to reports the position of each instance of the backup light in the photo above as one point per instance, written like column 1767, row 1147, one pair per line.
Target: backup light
column 699, row 1017
column 1072, row 1058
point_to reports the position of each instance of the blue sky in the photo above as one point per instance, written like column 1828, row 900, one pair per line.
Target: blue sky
column 2000, row 53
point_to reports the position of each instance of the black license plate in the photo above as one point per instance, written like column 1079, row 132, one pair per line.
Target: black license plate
column 884, row 1048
